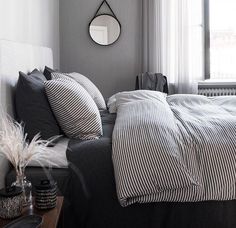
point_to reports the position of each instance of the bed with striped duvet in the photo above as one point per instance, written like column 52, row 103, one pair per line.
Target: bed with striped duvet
column 180, row 148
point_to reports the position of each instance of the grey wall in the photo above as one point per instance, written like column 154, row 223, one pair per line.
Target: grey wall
column 111, row 68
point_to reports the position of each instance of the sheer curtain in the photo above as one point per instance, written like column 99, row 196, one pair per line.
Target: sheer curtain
column 173, row 41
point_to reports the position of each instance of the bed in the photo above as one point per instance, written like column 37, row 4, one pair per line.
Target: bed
column 95, row 197
column 90, row 188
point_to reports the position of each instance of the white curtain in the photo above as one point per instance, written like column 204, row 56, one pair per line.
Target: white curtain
column 173, row 41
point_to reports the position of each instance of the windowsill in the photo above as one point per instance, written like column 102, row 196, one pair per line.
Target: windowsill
column 215, row 83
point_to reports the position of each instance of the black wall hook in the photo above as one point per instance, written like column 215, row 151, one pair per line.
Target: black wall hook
column 106, row 3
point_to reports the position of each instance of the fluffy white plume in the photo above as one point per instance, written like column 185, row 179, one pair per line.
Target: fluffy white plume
column 15, row 147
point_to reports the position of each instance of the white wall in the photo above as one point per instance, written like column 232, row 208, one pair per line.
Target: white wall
column 30, row 21
column 111, row 68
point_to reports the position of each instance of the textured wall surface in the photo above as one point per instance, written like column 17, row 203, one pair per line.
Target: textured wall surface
column 111, row 68
column 31, row 21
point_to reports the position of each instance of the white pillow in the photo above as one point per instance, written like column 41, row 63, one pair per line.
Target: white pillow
column 74, row 109
column 90, row 88
column 131, row 96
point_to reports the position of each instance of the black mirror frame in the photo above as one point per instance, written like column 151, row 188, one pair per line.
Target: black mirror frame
column 104, row 14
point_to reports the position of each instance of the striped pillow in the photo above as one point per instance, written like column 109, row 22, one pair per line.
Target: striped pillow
column 58, row 75
column 74, row 109
column 87, row 85
column 90, row 88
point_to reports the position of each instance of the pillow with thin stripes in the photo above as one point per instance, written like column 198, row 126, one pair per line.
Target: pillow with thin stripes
column 58, row 75
column 74, row 109
column 90, row 88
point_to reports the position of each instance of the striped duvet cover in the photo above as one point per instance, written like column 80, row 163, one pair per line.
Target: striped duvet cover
column 180, row 148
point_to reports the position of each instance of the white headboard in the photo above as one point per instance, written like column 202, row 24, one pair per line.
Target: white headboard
column 15, row 57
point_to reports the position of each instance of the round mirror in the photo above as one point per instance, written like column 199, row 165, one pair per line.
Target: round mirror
column 104, row 29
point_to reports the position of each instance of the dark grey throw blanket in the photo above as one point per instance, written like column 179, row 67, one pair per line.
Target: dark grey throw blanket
column 152, row 81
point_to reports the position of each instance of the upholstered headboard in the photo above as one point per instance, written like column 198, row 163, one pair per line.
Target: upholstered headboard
column 15, row 57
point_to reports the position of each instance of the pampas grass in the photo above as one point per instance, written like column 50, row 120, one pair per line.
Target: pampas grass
column 16, row 148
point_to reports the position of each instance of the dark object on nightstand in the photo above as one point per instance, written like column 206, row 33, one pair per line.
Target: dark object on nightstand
column 46, row 195
column 11, row 202
column 35, row 174
column 30, row 221
column 51, row 218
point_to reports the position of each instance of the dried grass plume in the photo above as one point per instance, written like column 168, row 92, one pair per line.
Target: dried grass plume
column 16, row 148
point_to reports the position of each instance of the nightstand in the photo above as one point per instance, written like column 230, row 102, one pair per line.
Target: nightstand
column 51, row 218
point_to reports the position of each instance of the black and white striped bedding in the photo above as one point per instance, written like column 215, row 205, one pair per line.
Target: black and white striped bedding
column 74, row 108
column 181, row 148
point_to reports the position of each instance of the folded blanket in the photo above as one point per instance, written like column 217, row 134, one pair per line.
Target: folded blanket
column 152, row 81
column 180, row 148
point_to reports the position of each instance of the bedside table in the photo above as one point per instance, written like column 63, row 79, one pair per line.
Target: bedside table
column 51, row 218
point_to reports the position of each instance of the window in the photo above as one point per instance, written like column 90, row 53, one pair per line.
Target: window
column 220, row 39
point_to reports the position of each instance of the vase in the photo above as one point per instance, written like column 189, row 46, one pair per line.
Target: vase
column 22, row 182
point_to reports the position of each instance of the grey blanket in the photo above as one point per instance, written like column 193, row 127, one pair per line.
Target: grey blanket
column 176, row 149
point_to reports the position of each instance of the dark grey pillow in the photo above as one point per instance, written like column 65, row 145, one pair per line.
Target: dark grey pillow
column 37, row 74
column 47, row 72
column 32, row 106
